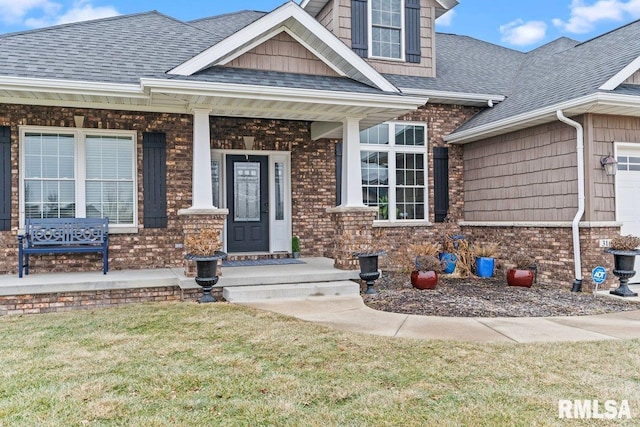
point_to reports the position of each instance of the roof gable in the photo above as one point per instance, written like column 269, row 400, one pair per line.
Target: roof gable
column 283, row 53
column 291, row 19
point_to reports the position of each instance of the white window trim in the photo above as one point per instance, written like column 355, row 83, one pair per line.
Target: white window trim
column 402, row 34
column 391, row 148
column 79, row 136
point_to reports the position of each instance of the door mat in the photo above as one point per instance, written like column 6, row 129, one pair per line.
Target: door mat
column 258, row 262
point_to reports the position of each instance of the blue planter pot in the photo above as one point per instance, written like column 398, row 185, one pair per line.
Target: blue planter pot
column 484, row 266
column 450, row 260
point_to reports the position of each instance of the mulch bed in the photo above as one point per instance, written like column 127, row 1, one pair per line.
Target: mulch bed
column 475, row 297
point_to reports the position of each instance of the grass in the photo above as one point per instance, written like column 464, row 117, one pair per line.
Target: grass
column 180, row 364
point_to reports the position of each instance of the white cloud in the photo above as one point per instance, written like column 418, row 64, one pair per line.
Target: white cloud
column 14, row 11
column 81, row 10
column 446, row 19
column 520, row 33
column 42, row 13
column 585, row 17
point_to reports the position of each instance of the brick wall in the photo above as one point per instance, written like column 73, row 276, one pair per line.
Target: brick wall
column 67, row 301
column 149, row 248
column 552, row 249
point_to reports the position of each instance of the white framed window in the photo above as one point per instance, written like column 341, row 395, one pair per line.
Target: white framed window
column 393, row 159
column 78, row 173
column 386, row 31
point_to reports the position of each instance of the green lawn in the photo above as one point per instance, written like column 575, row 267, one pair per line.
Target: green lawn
column 185, row 364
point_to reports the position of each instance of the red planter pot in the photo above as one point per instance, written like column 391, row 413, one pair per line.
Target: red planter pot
column 424, row 279
column 523, row 278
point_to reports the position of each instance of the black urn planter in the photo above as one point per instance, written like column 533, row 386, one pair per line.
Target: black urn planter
column 207, row 273
column 369, row 269
column 623, row 269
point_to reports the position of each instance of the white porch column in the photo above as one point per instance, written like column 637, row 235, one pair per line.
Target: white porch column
column 202, row 195
column 351, row 169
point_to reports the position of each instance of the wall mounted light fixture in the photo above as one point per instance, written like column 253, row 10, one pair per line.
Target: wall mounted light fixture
column 609, row 164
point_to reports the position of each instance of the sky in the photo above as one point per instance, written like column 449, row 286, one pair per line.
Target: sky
column 517, row 24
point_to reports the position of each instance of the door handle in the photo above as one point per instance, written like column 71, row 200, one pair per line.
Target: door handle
column 265, row 207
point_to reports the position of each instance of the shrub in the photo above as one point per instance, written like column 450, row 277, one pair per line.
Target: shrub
column 203, row 243
column 625, row 243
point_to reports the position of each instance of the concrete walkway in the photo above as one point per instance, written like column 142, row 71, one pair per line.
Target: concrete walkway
column 349, row 313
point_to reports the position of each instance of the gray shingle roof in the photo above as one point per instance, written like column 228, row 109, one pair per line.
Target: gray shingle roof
column 565, row 73
column 124, row 49
column 467, row 65
column 225, row 25
column 117, row 50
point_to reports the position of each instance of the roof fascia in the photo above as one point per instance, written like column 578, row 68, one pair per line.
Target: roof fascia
column 313, row 7
column 448, row 4
column 71, row 86
column 183, row 87
column 622, row 75
column 480, row 98
column 505, row 125
column 276, row 19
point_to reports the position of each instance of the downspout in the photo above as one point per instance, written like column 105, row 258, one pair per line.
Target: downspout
column 575, row 227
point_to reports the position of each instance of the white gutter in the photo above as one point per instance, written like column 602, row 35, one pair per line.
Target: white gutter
column 577, row 106
column 577, row 284
column 480, row 98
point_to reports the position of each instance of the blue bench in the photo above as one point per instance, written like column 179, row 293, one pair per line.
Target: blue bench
column 63, row 235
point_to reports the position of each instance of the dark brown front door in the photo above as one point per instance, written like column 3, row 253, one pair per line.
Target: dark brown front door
column 248, row 203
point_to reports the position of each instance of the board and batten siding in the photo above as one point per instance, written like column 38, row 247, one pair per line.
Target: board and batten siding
column 528, row 175
column 283, row 53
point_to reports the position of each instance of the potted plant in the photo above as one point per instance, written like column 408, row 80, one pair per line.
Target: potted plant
column 624, row 250
column 426, row 274
column 204, row 247
column 523, row 272
column 295, row 246
column 485, row 259
column 424, row 265
column 448, row 255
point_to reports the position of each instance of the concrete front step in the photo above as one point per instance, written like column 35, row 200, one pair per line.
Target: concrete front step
column 242, row 294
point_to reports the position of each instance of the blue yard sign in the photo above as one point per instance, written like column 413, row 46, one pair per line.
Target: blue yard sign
column 599, row 275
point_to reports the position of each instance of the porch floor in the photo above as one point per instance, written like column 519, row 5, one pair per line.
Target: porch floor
column 313, row 270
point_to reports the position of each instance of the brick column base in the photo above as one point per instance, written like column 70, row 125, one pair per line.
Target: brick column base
column 353, row 233
column 192, row 221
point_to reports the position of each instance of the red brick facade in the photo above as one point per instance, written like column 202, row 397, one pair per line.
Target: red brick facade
column 552, row 249
column 313, row 165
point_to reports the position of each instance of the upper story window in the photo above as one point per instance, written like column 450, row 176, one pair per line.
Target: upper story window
column 386, row 28
column 83, row 173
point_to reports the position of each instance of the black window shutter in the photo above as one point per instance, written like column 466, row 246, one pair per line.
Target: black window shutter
column 154, row 178
column 359, row 28
column 441, row 183
column 412, row 31
column 5, row 178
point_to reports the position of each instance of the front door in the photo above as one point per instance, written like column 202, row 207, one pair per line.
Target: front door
column 248, row 203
